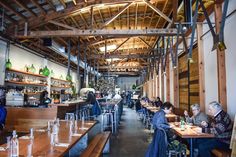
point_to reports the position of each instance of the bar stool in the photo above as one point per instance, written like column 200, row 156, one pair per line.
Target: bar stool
column 70, row 116
column 109, row 117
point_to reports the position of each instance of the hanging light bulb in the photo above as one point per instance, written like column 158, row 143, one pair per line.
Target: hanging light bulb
column 190, row 60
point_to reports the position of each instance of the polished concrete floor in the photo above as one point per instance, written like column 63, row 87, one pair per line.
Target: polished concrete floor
column 132, row 138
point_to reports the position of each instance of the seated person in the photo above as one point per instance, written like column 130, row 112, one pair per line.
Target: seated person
column 197, row 117
column 158, row 146
column 221, row 127
column 91, row 99
column 159, row 118
column 138, row 104
column 158, row 102
column 117, row 96
column 44, row 99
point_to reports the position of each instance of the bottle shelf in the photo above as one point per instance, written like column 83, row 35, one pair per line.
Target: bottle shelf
column 25, row 73
column 56, row 79
column 25, row 83
column 60, row 87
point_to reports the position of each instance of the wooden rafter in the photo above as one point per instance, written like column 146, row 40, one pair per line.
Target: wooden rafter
column 158, row 11
column 8, row 7
column 145, row 42
column 22, row 5
column 62, row 25
column 38, row 6
column 97, row 32
column 115, row 16
column 51, row 4
column 63, row 3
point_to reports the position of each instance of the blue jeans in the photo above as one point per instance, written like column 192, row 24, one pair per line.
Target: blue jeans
column 206, row 145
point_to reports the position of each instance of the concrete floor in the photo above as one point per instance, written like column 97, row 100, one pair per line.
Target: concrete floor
column 132, row 138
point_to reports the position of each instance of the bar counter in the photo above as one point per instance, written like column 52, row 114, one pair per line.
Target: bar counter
column 24, row 118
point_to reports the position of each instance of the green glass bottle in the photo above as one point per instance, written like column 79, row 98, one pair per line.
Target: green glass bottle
column 8, row 64
column 46, row 71
column 68, row 77
column 32, row 69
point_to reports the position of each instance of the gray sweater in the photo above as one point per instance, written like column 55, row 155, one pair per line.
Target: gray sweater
column 196, row 120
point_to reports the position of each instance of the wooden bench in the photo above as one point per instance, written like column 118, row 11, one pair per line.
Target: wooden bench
column 96, row 146
column 221, row 153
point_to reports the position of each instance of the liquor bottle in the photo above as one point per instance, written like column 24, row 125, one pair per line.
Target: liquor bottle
column 14, row 145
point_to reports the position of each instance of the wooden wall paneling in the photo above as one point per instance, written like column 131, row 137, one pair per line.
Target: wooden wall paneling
column 194, row 78
column 221, row 69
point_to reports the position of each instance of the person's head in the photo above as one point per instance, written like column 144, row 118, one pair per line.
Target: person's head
column 214, row 107
column 167, row 107
column 195, row 109
column 45, row 94
column 158, row 98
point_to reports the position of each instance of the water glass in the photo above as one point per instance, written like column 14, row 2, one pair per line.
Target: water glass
column 31, row 133
column 29, row 150
column 8, row 142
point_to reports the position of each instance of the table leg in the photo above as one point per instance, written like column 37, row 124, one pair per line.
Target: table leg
column 191, row 147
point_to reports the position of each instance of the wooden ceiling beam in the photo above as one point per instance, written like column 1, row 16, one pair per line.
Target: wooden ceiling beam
column 51, row 4
column 122, row 52
column 121, row 67
column 158, row 11
column 9, row 19
column 115, row 16
column 62, row 25
column 121, row 45
column 22, row 5
column 63, row 3
column 38, row 6
column 8, row 7
column 123, row 56
column 122, row 73
column 101, row 32
column 145, row 42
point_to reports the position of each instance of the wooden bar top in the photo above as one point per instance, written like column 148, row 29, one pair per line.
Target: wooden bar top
column 41, row 141
column 69, row 103
column 190, row 131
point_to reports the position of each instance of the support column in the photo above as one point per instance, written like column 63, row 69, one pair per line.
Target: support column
column 220, row 61
column 167, row 78
column 201, row 67
column 175, row 82
column 78, row 69
column 162, row 83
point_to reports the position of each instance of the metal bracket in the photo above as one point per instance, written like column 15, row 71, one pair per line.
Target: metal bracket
column 193, row 30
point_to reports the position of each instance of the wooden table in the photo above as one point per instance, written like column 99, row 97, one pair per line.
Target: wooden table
column 41, row 141
column 190, row 132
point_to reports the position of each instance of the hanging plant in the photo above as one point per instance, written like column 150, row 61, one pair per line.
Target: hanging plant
column 133, row 86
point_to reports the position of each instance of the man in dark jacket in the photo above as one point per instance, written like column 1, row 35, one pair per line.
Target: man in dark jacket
column 221, row 127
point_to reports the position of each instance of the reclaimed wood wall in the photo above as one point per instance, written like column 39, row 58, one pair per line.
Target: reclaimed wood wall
column 188, row 80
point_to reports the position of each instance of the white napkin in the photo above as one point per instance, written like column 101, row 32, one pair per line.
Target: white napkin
column 25, row 138
column 62, row 144
column 83, row 128
column 40, row 130
column 2, row 149
column 77, row 135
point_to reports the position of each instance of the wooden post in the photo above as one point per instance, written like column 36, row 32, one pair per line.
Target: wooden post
column 154, row 84
column 175, row 82
column 158, row 84
column 162, row 83
column 220, row 61
column 167, row 78
column 201, row 68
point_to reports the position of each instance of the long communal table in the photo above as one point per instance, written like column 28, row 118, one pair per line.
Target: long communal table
column 41, row 143
column 190, row 132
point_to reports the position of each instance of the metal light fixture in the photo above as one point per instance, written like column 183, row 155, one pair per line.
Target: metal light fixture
column 221, row 46
column 190, row 60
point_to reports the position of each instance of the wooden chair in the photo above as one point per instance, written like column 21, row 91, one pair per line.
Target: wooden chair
column 96, row 146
